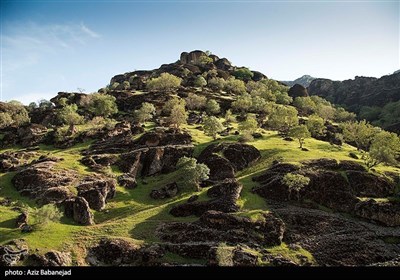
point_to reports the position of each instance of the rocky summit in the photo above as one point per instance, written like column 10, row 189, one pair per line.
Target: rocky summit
column 204, row 163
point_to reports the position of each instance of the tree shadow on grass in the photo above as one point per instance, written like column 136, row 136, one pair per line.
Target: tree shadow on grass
column 10, row 223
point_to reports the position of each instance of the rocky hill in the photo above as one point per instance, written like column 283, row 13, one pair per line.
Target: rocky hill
column 362, row 91
column 304, row 80
column 198, row 162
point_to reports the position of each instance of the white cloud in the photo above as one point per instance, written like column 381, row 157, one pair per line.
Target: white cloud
column 28, row 43
column 26, row 47
column 89, row 31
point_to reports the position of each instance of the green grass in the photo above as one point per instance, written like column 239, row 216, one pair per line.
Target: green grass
column 291, row 254
column 132, row 214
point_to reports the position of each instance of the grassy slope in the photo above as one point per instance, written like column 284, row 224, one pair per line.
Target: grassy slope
column 133, row 214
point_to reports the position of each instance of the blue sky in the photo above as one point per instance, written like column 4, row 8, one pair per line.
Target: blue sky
column 51, row 46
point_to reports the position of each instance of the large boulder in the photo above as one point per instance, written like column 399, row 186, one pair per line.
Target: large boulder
column 96, row 190
column 224, row 196
column 78, row 209
column 370, row 185
column 215, row 227
column 298, row 91
column 119, row 251
column 166, row 191
column 44, row 182
column 224, row 159
column 386, row 213
column 192, row 57
column 31, row 135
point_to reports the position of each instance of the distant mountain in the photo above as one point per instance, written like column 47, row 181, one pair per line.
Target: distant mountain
column 303, row 80
column 396, row 72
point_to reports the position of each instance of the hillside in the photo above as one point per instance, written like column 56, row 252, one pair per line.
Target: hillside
column 197, row 162
column 304, row 80
column 376, row 100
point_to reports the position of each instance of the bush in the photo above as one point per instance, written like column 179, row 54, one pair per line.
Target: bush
column 233, row 85
column 68, row 115
column 212, row 107
column 243, row 74
column 216, row 83
column 229, row 117
column 246, row 137
column 243, row 103
column 283, row 118
column 167, row 109
column 361, row 133
column 341, row 115
column 212, row 126
column 178, row 114
column 283, row 98
column 305, row 105
column 295, row 182
column 194, row 101
column 191, row 173
column 14, row 114
column 204, row 60
column 166, row 82
column 200, row 82
column 45, row 214
column 45, row 104
column 249, row 126
column 299, row 132
column 145, row 112
column 385, row 148
column 315, row 125
column 101, row 104
column 5, row 120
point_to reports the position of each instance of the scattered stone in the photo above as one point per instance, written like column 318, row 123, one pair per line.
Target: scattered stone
column 167, row 191
column 127, row 181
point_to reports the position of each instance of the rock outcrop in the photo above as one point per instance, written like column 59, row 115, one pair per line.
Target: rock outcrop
column 332, row 184
column 225, row 159
column 96, row 190
column 51, row 258
column 44, row 182
column 78, row 209
column 223, row 198
column 196, row 239
column 298, row 91
column 118, row 252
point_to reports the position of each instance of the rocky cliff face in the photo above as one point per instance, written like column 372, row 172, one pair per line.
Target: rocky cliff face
column 362, row 91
